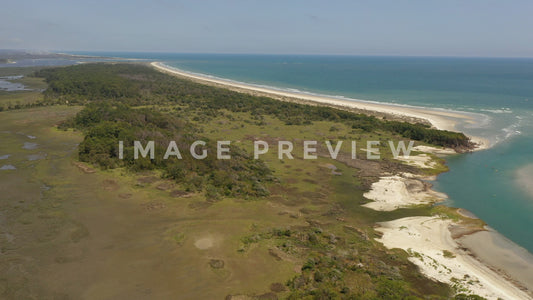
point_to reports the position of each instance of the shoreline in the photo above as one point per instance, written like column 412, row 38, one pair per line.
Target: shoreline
column 466, row 254
column 504, row 257
column 498, row 280
column 460, row 262
column 439, row 119
column 486, row 262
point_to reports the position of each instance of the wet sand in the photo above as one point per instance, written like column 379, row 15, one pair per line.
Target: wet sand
column 502, row 255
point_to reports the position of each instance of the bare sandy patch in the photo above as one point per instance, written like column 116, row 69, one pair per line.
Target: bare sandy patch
column 393, row 192
column 425, row 160
column 84, row 168
column 422, row 161
column 434, row 150
column 429, row 242
column 204, row 243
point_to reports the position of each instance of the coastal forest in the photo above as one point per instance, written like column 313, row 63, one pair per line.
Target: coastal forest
column 120, row 102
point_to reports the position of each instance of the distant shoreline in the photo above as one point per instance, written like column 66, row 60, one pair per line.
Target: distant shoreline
column 440, row 119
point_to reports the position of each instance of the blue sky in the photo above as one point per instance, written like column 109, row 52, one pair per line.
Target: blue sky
column 373, row 27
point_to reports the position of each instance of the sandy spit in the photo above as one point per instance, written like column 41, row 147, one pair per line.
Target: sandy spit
column 440, row 119
column 439, row 256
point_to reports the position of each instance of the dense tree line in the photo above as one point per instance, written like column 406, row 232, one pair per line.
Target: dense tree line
column 105, row 123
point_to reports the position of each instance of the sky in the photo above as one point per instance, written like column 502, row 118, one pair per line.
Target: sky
column 373, row 27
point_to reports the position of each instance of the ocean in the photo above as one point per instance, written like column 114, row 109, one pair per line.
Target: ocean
column 493, row 184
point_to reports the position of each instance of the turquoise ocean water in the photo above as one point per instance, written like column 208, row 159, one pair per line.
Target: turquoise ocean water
column 499, row 91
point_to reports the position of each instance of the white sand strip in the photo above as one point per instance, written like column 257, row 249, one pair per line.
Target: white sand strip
column 433, row 249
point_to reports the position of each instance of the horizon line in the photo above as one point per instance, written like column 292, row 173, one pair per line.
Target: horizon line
column 56, row 51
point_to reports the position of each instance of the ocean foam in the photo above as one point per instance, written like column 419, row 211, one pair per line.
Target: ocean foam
column 503, row 110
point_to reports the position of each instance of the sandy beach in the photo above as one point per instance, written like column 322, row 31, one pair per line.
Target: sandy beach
column 459, row 260
column 440, row 119
column 440, row 257
column 472, row 259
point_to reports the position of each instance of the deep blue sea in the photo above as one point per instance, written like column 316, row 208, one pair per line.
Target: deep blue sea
column 499, row 90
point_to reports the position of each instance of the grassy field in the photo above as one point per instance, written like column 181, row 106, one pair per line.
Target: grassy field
column 71, row 230
column 58, row 220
